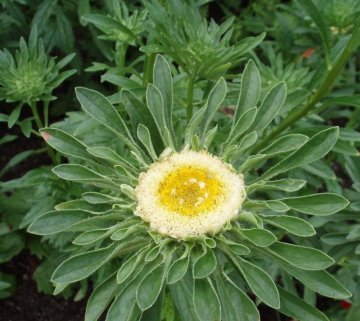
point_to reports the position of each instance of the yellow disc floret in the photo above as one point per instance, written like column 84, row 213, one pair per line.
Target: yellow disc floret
column 190, row 190
column 189, row 194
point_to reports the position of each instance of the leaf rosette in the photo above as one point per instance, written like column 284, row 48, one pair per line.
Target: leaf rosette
column 31, row 75
column 199, row 179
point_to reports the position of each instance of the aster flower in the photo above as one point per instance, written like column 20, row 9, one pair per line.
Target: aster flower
column 183, row 214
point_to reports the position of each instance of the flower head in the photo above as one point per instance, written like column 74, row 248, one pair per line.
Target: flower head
column 189, row 194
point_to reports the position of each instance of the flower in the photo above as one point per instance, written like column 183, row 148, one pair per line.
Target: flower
column 189, row 194
column 164, row 204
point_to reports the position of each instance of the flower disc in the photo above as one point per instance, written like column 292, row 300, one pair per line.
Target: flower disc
column 189, row 194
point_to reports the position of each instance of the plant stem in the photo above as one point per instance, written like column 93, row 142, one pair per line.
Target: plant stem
column 36, row 115
column 148, row 68
column 323, row 90
column 55, row 159
column 190, row 97
column 46, row 113
column 121, row 50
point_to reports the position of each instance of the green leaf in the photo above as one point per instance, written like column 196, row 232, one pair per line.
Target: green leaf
column 205, row 264
column 206, row 302
column 319, row 281
column 260, row 283
column 193, row 124
column 144, row 136
column 75, row 172
column 64, row 143
column 26, row 127
column 80, row 266
column 98, row 198
column 237, row 249
column 345, row 148
column 293, row 225
column 214, row 101
column 15, row 160
column 252, row 162
column 42, row 15
column 124, row 307
column 156, row 106
column 270, row 107
column 321, row 169
column 249, row 90
column 297, row 308
column 100, row 299
column 150, row 287
column 317, row 204
column 315, row 148
column 128, row 267
column 139, row 113
column 317, row 18
column 285, row 184
column 248, row 140
column 259, row 237
column 351, row 100
column 65, row 61
column 241, row 125
column 107, row 24
column 57, row 221
column 163, row 81
column 235, row 304
column 123, row 82
column 89, row 237
column 335, row 238
column 14, row 116
column 285, row 144
column 182, row 294
column 110, row 155
column 99, row 107
column 178, row 269
column 276, row 205
column 301, row 257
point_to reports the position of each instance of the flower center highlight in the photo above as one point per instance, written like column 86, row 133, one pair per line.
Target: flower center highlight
column 190, row 190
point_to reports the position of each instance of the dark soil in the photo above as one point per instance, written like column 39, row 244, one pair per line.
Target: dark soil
column 20, row 144
column 28, row 304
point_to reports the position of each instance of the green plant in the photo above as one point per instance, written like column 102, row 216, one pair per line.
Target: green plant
column 205, row 270
column 29, row 78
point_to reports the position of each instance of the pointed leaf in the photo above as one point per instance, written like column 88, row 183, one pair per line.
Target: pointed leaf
column 293, row 225
column 260, row 283
column 297, row 308
column 315, row 148
column 250, row 89
column 206, row 302
column 317, row 204
column 306, row 258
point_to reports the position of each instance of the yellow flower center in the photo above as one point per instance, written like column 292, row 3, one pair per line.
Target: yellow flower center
column 190, row 190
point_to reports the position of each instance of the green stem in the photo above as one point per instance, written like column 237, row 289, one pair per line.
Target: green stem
column 323, row 90
column 148, row 68
column 190, row 97
column 46, row 113
column 55, row 159
column 121, row 58
column 36, row 115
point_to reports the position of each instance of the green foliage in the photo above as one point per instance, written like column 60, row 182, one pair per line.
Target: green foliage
column 31, row 75
column 178, row 75
column 104, row 222
column 203, row 49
